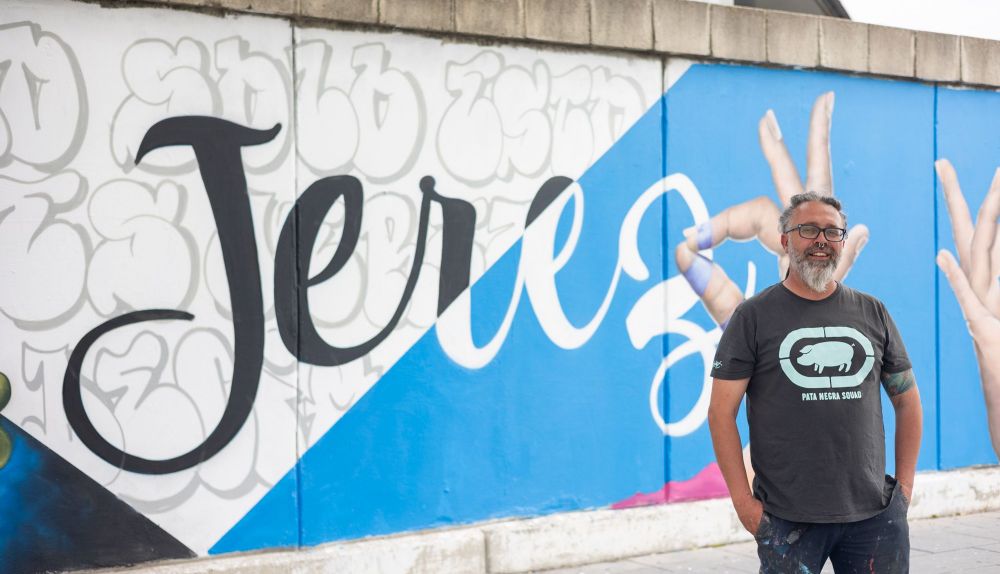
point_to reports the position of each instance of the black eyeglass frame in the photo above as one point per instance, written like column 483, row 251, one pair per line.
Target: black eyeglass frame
column 823, row 230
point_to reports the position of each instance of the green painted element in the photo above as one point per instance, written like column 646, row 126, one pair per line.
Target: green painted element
column 6, row 446
column 4, row 391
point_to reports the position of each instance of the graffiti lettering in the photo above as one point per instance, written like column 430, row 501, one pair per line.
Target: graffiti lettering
column 294, row 255
column 217, row 146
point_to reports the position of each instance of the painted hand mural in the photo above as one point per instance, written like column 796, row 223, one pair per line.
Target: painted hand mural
column 974, row 280
column 758, row 217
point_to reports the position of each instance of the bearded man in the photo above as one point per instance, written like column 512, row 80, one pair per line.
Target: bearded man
column 809, row 354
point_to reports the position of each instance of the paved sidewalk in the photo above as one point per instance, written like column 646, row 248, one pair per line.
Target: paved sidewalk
column 969, row 543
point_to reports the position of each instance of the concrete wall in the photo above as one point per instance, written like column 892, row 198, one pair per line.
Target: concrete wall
column 269, row 282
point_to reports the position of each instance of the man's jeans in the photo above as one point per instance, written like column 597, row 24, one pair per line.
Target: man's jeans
column 879, row 545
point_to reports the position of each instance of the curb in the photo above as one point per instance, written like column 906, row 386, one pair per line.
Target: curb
column 567, row 539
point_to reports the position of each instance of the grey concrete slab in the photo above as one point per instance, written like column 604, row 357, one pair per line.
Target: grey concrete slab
column 843, row 45
column 622, row 24
column 964, row 560
column 947, row 541
column 985, row 519
column 792, row 39
column 280, row 7
column 985, row 525
column 365, row 11
column 435, row 15
column 738, row 33
column 980, row 61
column 504, row 18
column 565, row 21
column 620, row 567
column 890, row 51
column 189, row 2
column 708, row 560
column 938, row 57
column 944, row 539
column 938, row 545
column 681, row 27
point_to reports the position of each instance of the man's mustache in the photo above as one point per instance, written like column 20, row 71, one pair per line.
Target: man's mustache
column 825, row 250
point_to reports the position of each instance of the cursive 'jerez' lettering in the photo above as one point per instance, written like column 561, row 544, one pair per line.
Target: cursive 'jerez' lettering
column 217, row 146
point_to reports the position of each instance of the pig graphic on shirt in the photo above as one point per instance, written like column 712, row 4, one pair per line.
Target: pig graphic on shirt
column 827, row 354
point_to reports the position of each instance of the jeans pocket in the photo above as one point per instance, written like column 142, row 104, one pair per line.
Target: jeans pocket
column 899, row 498
column 763, row 527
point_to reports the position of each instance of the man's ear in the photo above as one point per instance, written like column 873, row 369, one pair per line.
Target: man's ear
column 784, row 241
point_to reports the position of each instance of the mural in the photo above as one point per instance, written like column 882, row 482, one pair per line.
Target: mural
column 273, row 286
column 975, row 281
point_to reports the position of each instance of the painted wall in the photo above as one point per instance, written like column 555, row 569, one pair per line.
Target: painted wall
column 267, row 286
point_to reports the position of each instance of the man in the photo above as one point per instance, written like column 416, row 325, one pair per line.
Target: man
column 809, row 354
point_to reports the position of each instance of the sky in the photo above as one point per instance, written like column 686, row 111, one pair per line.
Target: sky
column 979, row 18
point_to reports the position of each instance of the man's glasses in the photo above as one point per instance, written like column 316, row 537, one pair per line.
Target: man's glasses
column 806, row 231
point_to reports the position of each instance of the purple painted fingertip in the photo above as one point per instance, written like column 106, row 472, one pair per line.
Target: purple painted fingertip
column 698, row 274
column 703, row 235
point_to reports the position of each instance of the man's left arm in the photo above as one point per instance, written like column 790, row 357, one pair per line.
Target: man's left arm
column 902, row 390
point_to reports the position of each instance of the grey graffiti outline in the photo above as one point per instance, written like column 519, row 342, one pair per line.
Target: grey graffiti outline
column 50, row 218
column 177, row 224
column 205, row 72
column 418, row 95
column 282, row 71
column 80, row 130
column 36, row 382
column 457, row 94
column 321, row 82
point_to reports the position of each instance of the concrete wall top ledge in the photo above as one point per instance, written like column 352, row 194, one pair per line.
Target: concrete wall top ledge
column 655, row 27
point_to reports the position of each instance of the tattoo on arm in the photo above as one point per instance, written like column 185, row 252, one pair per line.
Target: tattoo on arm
column 898, row 383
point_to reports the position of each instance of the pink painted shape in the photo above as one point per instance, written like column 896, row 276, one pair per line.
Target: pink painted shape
column 708, row 483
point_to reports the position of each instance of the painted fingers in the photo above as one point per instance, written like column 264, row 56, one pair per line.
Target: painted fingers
column 974, row 282
column 819, row 176
column 754, row 219
column 856, row 240
column 972, row 308
column 783, row 171
column 977, row 246
column 958, row 210
column 758, row 218
column 982, row 276
column 717, row 291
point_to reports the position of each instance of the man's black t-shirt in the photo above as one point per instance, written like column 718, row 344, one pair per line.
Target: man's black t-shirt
column 817, row 443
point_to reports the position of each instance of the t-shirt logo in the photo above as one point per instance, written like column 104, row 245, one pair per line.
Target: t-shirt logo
column 827, row 354
column 837, row 348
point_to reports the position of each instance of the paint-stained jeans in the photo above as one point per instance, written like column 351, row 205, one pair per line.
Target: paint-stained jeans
column 878, row 545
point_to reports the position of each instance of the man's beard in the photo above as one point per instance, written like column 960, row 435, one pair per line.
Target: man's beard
column 816, row 274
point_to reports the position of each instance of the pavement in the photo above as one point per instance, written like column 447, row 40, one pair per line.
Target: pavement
column 968, row 543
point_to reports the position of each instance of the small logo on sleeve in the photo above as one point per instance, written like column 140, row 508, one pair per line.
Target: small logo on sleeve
column 717, row 365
